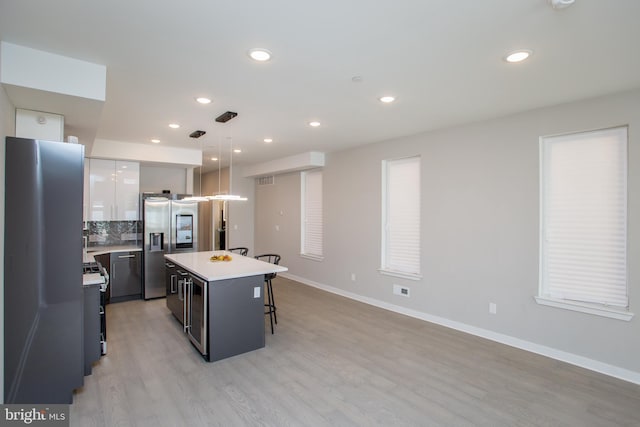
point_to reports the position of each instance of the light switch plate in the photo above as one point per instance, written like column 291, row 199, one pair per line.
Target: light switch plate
column 256, row 292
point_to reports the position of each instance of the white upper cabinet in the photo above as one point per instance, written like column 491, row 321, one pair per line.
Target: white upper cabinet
column 127, row 190
column 114, row 188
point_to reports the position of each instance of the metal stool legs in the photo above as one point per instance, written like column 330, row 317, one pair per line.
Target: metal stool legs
column 271, row 306
column 271, row 301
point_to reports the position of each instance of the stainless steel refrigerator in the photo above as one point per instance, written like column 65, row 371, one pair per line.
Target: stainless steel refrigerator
column 170, row 225
column 43, row 293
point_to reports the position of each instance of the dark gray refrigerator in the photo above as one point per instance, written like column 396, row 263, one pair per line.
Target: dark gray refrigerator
column 43, row 299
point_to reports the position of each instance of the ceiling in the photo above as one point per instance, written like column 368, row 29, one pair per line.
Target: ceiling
column 442, row 60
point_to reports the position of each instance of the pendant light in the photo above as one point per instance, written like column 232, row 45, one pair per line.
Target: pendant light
column 230, row 196
column 199, row 198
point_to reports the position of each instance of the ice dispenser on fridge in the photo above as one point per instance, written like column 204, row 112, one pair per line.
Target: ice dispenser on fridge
column 156, row 242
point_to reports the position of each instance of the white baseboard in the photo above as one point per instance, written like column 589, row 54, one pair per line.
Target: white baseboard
column 573, row 359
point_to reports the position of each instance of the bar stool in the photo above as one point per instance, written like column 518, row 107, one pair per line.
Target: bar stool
column 239, row 250
column 271, row 306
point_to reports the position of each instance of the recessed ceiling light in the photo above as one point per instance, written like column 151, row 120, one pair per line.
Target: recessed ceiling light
column 518, row 55
column 215, row 159
column 174, row 126
column 237, row 150
column 203, row 100
column 260, row 55
column 561, row 4
column 155, row 141
column 268, row 140
column 387, row 99
column 314, row 124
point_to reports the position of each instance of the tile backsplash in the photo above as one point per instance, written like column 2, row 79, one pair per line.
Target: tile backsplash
column 114, row 233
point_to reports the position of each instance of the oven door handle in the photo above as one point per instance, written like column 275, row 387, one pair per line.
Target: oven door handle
column 106, row 276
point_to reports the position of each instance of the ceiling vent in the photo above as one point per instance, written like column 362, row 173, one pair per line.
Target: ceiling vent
column 225, row 117
column 265, row 180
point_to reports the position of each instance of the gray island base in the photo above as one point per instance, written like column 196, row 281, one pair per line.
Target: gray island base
column 222, row 302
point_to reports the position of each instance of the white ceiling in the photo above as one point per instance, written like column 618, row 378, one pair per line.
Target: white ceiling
column 442, row 59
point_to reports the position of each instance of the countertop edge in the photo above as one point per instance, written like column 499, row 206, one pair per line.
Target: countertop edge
column 88, row 256
column 269, row 268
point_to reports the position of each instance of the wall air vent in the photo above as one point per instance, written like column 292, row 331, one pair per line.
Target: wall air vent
column 265, row 180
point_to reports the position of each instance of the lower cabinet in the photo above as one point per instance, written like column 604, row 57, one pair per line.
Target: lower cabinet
column 125, row 276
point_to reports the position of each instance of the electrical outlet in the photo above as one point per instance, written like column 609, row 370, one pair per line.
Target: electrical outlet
column 277, row 228
column 493, row 308
column 256, row 291
column 353, row 277
column 401, row 290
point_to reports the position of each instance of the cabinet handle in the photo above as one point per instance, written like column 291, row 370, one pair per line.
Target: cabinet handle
column 168, row 264
column 126, row 256
column 185, row 326
column 173, row 283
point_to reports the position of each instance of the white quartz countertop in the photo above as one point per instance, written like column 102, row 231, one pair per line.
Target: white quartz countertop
column 240, row 266
column 88, row 254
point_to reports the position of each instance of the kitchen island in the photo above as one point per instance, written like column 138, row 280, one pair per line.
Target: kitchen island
column 221, row 302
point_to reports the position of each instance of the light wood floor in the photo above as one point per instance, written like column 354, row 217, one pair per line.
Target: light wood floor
column 337, row 362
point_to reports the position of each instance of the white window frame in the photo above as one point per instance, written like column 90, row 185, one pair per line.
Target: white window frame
column 392, row 263
column 603, row 155
column 311, row 215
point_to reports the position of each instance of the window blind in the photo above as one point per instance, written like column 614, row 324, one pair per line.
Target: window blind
column 312, row 233
column 584, row 217
column 401, row 216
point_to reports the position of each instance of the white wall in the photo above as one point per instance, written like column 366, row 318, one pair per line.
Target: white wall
column 37, row 69
column 241, row 213
column 240, row 217
column 7, row 128
column 480, row 223
column 118, row 150
column 158, row 178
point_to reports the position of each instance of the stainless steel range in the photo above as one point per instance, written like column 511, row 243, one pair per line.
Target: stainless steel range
column 94, row 270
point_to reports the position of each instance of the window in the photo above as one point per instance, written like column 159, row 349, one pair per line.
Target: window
column 311, row 233
column 583, row 230
column 401, row 217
